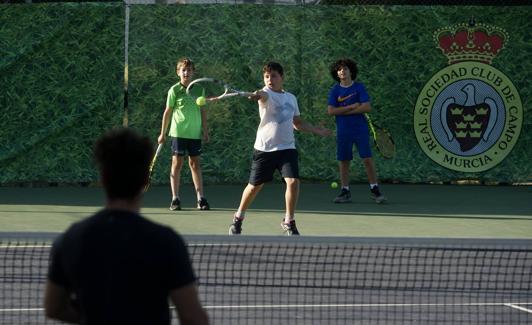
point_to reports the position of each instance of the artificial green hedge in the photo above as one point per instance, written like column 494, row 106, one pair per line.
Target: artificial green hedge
column 62, row 78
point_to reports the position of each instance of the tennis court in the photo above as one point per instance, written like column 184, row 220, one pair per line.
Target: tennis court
column 413, row 210
column 380, row 274
column 438, row 252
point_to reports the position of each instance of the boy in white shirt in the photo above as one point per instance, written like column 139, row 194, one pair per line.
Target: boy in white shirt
column 275, row 147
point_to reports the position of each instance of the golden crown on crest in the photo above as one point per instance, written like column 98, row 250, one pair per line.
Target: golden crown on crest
column 471, row 42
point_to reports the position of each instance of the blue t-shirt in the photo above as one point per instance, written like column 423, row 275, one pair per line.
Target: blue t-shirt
column 342, row 96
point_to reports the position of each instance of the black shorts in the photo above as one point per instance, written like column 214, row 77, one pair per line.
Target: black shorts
column 266, row 163
column 182, row 145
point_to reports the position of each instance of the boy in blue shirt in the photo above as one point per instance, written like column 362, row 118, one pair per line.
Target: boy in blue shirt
column 348, row 101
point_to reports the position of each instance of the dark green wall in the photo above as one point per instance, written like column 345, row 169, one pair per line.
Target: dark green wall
column 62, row 80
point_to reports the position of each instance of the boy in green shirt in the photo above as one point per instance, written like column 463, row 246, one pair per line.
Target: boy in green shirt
column 188, row 122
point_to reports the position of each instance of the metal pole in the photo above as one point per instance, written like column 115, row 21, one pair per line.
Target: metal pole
column 125, row 121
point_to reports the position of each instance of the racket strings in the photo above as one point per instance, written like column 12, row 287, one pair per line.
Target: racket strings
column 385, row 143
column 209, row 88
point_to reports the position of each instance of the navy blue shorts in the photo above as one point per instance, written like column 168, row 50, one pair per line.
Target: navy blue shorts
column 266, row 163
column 344, row 146
column 180, row 146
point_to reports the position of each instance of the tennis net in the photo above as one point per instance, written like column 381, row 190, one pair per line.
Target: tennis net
column 315, row 280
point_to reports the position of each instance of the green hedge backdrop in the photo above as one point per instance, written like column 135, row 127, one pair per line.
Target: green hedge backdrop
column 62, row 71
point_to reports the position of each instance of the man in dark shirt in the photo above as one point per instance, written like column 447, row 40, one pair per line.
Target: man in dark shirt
column 116, row 267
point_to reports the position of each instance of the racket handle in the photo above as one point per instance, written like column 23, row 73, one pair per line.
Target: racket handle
column 159, row 148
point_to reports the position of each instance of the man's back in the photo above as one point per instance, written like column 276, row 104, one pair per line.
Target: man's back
column 121, row 267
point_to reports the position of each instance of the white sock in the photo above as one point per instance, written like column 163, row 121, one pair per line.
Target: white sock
column 240, row 215
column 371, row 186
column 345, row 188
column 287, row 219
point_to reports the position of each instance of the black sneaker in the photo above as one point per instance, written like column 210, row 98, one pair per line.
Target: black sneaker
column 236, row 227
column 290, row 228
column 175, row 205
column 203, row 204
column 377, row 195
column 343, row 197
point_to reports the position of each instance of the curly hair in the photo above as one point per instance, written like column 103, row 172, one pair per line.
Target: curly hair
column 350, row 64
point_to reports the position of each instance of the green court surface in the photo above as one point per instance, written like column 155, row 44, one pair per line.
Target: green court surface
column 469, row 211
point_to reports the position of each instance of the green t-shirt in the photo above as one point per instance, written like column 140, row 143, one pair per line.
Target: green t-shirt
column 186, row 114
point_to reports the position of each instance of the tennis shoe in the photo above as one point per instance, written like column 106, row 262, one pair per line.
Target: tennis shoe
column 203, row 204
column 175, row 205
column 377, row 195
column 343, row 197
column 236, row 227
column 290, row 229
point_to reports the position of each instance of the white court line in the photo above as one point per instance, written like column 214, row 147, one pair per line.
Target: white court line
column 512, row 305
column 50, row 246
column 24, row 246
column 11, row 310
column 519, row 307
column 366, row 305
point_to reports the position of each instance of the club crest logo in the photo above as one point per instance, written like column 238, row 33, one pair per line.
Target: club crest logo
column 468, row 116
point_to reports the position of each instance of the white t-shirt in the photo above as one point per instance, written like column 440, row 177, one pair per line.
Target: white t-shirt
column 276, row 129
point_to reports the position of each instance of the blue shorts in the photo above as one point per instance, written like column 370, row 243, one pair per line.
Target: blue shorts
column 182, row 145
column 344, row 146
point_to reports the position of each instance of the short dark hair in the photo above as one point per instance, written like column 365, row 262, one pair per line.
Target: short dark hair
column 273, row 66
column 351, row 64
column 123, row 157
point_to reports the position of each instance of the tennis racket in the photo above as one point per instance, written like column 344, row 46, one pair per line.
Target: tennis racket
column 152, row 164
column 382, row 138
column 214, row 89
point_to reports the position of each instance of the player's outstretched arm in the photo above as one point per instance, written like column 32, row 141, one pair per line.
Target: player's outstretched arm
column 259, row 95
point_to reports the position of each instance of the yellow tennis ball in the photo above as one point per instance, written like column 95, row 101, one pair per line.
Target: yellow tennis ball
column 334, row 185
column 201, row 101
